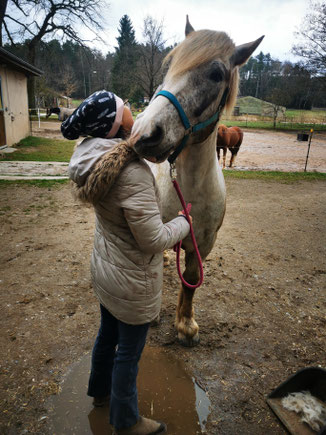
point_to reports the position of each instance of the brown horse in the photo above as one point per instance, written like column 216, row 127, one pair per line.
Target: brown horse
column 228, row 138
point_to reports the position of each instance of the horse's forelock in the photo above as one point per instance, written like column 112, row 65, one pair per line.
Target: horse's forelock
column 233, row 85
column 198, row 48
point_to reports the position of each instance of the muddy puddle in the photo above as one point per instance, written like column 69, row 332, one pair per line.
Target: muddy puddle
column 166, row 392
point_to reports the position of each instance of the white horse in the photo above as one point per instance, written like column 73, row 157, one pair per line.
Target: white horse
column 202, row 73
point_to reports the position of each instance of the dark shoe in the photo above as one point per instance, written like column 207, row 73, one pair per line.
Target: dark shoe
column 99, row 402
column 144, row 426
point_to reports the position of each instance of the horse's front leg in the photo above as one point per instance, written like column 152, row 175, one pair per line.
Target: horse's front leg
column 218, row 153
column 224, row 156
column 234, row 153
column 185, row 323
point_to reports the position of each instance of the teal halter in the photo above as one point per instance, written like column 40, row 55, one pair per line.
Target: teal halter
column 189, row 129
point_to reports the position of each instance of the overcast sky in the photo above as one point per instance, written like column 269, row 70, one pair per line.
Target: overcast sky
column 243, row 20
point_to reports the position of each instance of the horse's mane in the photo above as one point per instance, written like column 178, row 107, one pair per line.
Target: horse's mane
column 201, row 47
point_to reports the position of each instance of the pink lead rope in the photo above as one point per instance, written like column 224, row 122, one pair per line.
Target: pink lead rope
column 177, row 247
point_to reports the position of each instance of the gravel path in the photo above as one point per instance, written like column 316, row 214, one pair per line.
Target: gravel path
column 33, row 170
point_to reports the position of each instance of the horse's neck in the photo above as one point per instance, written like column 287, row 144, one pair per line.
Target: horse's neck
column 198, row 174
column 198, row 163
column 201, row 182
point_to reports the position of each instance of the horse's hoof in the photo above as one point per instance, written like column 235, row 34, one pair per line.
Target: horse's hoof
column 188, row 341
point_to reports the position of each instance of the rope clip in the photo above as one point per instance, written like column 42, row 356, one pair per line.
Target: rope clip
column 173, row 171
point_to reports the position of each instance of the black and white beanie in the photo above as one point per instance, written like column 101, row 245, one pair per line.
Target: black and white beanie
column 100, row 115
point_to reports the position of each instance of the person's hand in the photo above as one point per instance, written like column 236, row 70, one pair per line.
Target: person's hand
column 181, row 213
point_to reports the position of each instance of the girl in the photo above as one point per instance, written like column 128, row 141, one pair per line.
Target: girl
column 127, row 259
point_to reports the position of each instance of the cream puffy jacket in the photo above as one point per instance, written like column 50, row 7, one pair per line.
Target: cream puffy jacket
column 130, row 237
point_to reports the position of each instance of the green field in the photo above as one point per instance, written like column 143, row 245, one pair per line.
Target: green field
column 76, row 103
column 314, row 116
column 39, row 149
column 37, row 183
column 255, row 113
column 253, row 106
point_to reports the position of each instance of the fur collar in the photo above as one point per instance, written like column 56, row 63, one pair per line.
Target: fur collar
column 105, row 172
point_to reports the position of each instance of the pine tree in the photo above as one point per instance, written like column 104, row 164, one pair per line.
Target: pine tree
column 123, row 81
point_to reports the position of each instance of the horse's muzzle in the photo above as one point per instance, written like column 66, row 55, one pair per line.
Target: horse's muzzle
column 151, row 140
column 151, row 144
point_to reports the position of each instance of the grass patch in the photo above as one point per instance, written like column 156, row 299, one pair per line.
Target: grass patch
column 37, row 183
column 308, row 115
column 254, row 106
column 282, row 177
column 41, row 149
column 76, row 103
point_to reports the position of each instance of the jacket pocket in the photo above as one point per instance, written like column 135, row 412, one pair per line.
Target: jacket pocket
column 154, row 272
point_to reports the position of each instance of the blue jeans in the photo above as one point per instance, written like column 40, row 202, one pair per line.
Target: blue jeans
column 117, row 350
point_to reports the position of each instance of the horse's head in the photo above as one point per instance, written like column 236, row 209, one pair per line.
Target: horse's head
column 222, row 130
column 200, row 71
column 51, row 110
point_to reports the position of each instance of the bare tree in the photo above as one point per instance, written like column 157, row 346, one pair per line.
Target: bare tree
column 34, row 20
column 152, row 52
column 312, row 38
column 68, row 81
column 280, row 100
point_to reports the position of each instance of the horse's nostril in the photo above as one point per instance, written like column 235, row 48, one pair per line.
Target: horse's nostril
column 153, row 139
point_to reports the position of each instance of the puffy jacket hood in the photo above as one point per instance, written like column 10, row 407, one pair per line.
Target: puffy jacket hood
column 95, row 165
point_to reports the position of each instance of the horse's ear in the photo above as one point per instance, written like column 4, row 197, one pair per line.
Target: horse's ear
column 189, row 27
column 243, row 52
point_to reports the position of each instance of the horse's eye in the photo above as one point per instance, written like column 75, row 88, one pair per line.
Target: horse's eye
column 216, row 73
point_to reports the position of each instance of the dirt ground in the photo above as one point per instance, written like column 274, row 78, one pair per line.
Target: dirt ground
column 261, row 309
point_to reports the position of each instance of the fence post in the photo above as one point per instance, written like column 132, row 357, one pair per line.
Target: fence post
column 30, row 121
column 39, row 119
column 310, row 137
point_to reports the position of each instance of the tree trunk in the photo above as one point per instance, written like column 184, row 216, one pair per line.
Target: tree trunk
column 275, row 117
column 257, row 87
column 3, row 7
column 31, row 79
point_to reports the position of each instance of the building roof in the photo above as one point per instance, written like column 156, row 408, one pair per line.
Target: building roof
column 15, row 62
